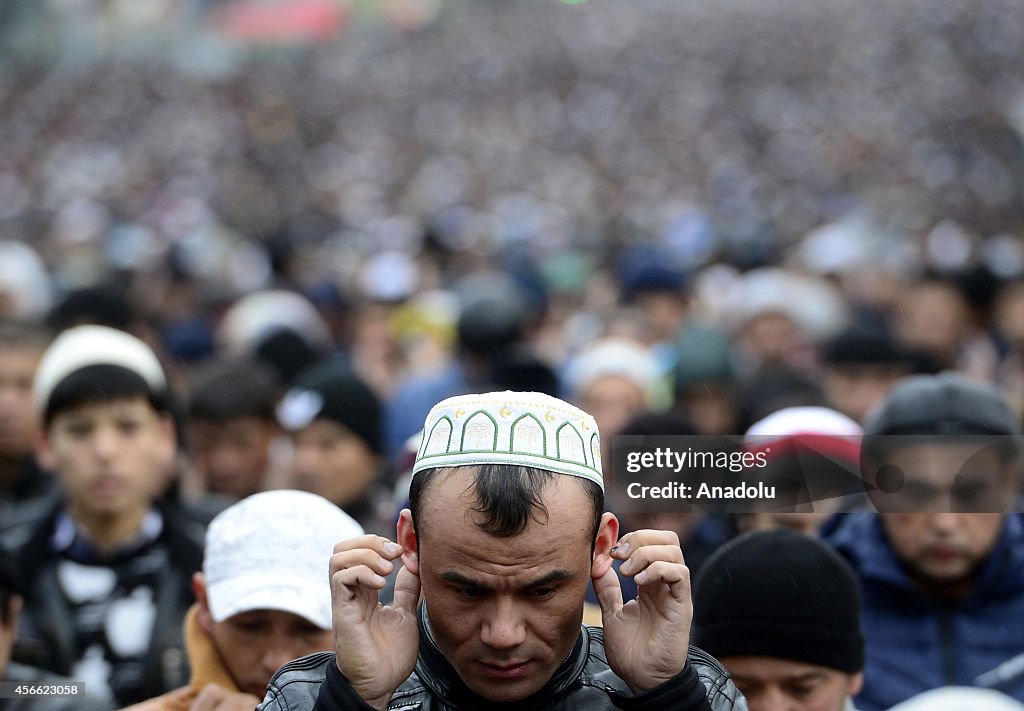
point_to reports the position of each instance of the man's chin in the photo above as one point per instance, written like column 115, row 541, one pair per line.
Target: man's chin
column 505, row 685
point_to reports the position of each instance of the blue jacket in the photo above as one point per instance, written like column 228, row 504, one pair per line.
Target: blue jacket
column 915, row 642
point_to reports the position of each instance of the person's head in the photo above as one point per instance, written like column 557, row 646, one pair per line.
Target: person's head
column 231, row 425
column 812, row 457
column 10, row 608
column 264, row 596
column 107, row 433
column 21, row 347
column 933, row 316
column 704, row 380
column 959, row 698
column 506, row 528
column 860, row 367
column 650, row 280
column 781, row 612
column 613, row 380
column 668, row 424
column 943, row 454
column 334, row 420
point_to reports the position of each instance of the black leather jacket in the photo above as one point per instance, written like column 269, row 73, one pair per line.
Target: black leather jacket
column 584, row 682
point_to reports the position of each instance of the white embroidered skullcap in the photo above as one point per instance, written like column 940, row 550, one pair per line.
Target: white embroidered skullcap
column 84, row 346
column 517, row 428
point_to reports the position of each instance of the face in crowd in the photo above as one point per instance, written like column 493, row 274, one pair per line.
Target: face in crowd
column 948, row 516
column 773, row 684
column 331, row 461
column 256, row 643
column 110, row 456
column 505, row 610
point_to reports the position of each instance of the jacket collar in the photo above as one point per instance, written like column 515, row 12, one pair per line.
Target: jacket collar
column 440, row 676
column 861, row 538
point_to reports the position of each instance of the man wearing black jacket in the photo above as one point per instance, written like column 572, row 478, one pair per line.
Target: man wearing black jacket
column 506, row 529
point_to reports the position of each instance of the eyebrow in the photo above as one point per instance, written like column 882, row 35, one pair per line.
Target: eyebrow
column 809, row 676
column 555, row 576
column 795, row 679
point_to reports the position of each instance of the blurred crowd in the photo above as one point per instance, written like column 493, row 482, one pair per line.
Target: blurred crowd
column 682, row 217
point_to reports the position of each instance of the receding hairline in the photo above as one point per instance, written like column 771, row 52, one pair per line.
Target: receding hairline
column 472, row 469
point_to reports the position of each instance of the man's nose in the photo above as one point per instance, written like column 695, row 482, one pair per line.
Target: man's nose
column 277, row 653
column 506, row 628
column 105, row 442
column 945, row 522
column 771, row 699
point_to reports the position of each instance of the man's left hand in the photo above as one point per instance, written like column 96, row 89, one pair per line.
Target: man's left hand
column 646, row 639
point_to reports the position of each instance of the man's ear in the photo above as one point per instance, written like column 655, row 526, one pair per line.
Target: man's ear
column 607, row 535
column 408, row 540
column 44, row 451
column 203, row 614
column 856, row 683
column 168, row 436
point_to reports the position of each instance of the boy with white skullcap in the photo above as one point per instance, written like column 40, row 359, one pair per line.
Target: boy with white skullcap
column 107, row 570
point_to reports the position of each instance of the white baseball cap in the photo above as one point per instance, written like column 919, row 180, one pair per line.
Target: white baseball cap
column 271, row 551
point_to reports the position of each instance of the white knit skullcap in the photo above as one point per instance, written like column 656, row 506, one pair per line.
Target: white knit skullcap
column 83, row 346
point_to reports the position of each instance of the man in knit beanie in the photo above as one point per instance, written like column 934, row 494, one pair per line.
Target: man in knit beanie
column 334, row 421
column 781, row 611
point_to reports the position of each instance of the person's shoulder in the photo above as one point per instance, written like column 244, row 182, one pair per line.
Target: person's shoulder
column 853, row 535
column 25, row 521
column 719, row 688
column 20, row 673
column 298, row 682
column 184, row 534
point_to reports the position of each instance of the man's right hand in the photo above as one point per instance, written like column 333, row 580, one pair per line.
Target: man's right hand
column 375, row 646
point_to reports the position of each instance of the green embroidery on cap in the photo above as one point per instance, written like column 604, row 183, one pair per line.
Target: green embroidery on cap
column 540, row 427
column 479, row 431
column 573, row 443
column 448, row 442
column 595, row 448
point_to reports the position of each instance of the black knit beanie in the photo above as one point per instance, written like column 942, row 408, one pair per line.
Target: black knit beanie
column 332, row 391
column 779, row 594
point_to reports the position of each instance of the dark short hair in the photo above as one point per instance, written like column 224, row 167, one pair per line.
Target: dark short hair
column 508, row 497
column 99, row 384
column 230, row 389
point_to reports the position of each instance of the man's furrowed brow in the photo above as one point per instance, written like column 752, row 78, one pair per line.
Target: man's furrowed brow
column 555, row 576
column 457, row 578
